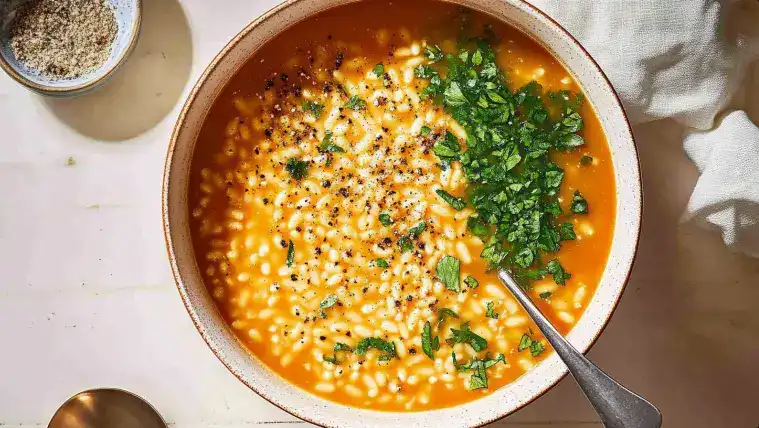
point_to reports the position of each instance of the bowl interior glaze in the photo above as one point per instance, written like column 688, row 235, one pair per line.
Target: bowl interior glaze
column 302, row 404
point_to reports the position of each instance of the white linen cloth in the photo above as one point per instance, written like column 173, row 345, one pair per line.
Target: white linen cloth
column 686, row 60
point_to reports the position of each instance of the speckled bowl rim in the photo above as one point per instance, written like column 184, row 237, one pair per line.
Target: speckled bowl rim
column 84, row 87
column 555, row 26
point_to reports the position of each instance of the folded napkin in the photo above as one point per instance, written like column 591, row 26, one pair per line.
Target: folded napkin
column 686, row 60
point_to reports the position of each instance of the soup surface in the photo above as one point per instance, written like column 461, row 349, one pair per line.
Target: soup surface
column 359, row 179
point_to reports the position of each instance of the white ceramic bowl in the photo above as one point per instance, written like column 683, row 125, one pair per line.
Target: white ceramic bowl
column 244, row 366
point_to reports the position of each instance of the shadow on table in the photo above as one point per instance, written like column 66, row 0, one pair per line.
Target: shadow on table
column 686, row 332
column 145, row 89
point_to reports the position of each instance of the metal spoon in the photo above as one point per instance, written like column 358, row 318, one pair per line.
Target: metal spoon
column 617, row 406
column 106, row 408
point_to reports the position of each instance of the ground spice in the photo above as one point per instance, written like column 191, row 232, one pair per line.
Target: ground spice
column 63, row 38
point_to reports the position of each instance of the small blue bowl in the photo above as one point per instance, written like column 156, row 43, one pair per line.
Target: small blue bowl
column 128, row 17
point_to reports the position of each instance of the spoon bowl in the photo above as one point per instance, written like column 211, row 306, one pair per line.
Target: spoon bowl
column 106, row 408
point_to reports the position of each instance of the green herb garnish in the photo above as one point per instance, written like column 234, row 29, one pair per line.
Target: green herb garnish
column 328, row 302
column 378, row 70
column 355, row 103
column 545, row 295
column 536, row 347
column 471, row 282
column 290, row 254
column 382, row 263
column 457, row 203
column 479, row 378
column 425, row 131
column 342, row 347
column 510, row 134
column 417, row 230
column 385, row 219
column 298, row 169
column 586, row 160
column 405, row 242
column 327, row 145
column 332, row 359
column 465, row 335
column 490, row 310
column 579, row 204
column 429, row 343
column 387, row 348
column 445, row 313
column 315, row 108
column 449, row 272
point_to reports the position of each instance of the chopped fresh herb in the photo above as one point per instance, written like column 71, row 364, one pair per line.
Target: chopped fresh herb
column 429, row 344
column 342, row 347
column 385, row 219
column 471, row 282
column 425, row 131
column 586, row 160
column 465, row 335
column 479, row 378
column 405, row 244
column 71, row 161
column 490, row 310
column 510, row 137
column 433, row 53
column 417, row 230
column 579, row 204
column 545, row 295
column 447, row 148
column 567, row 231
column 315, row 108
column 327, row 145
column 457, row 203
column 445, row 313
column 298, row 169
column 449, row 271
column 560, row 276
column 378, row 70
column 290, row 254
column 328, row 302
column 382, row 263
column 332, row 359
column 355, row 103
column 535, row 346
column 387, row 348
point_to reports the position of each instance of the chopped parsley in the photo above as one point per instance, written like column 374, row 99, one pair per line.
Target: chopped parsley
column 429, row 344
column 560, row 276
column 490, row 310
column 385, row 219
column 465, row 335
column 425, row 131
column 545, row 295
column 328, row 302
column 387, row 348
column 382, row 263
column 510, row 136
column 290, row 254
column 298, row 169
column 457, row 203
column 378, row 70
column 332, row 359
column 405, row 242
column 449, row 272
column 327, row 145
column 315, row 108
column 445, row 313
column 536, row 347
column 567, row 231
column 586, row 160
column 342, row 347
column 479, row 378
column 579, row 204
column 355, row 103
column 471, row 282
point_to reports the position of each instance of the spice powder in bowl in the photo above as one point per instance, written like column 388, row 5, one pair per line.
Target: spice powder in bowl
column 63, row 39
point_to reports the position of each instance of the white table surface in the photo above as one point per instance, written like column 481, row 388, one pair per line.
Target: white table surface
column 87, row 298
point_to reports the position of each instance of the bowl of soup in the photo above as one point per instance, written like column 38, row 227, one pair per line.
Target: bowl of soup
column 346, row 177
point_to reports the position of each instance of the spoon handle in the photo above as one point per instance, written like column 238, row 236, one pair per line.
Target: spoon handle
column 617, row 406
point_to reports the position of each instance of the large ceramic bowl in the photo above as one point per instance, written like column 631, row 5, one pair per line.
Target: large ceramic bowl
column 302, row 404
